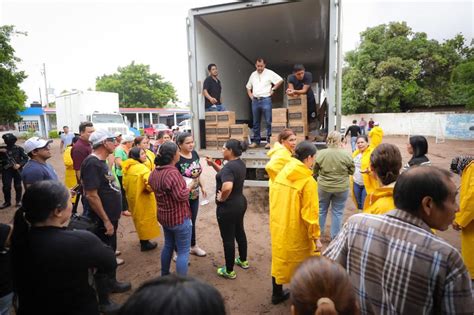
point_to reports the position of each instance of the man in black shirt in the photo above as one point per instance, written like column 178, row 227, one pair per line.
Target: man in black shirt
column 355, row 132
column 212, row 91
column 299, row 83
column 104, row 197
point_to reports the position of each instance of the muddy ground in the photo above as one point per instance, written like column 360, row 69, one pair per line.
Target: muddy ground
column 250, row 292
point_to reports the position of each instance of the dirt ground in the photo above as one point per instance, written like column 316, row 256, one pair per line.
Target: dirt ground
column 250, row 292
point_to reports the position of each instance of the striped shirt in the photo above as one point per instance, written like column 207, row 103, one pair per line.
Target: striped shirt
column 172, row 196
column 397, row 266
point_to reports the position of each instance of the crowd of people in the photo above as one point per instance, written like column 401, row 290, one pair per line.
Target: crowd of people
column 386, row 258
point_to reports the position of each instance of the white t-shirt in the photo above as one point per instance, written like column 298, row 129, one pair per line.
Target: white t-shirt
column 261, row 83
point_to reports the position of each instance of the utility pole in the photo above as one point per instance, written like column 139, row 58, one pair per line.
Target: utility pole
column 45, row 84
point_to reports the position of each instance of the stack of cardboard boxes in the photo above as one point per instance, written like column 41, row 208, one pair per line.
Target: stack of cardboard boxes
column 297, row 116
column 279, row 122
column 218, row 125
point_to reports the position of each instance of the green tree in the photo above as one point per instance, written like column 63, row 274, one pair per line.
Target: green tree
column 12, row 98
column 395, row 69
column 137, row 87
column 462, row 84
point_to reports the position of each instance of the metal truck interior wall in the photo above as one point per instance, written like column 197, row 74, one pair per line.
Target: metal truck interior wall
column 282, row 33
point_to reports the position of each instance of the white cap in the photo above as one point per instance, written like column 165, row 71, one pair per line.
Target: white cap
column 117, row 134
column 100, row 135
column 376, row 123
column 35, row 143
column 127, row 138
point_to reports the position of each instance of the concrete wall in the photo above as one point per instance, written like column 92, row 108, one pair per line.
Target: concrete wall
column 448, row 125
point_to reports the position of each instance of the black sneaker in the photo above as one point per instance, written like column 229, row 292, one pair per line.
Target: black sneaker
column 5, row 205
column 109, row 308
column 277, row 299
column 147, row 245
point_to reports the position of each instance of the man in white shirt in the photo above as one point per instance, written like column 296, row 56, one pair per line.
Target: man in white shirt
column 260, row 87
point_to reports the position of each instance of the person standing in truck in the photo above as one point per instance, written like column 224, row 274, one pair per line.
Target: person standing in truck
column 299, row 83
column 260, row 88
column 212, row 91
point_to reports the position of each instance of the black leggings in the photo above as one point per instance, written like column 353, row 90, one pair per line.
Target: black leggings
column 230, row 217
column 124, row 197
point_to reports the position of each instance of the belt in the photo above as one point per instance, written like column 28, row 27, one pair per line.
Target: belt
column 261, row 98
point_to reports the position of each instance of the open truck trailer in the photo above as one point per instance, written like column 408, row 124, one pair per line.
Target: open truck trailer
column 284, row 33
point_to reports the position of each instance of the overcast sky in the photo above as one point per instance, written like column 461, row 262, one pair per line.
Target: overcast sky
column 80, row 40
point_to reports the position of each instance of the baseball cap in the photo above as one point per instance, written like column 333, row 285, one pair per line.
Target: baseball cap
column 99, row 136
column 127, row 138
column 35, row 143
column 117, row 134
column 376, row 123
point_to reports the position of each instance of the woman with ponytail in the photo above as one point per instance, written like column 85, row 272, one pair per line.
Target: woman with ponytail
column 294, row 222
column 50, row 263
column 385, row 163
column 322, row 287
column 231, row 206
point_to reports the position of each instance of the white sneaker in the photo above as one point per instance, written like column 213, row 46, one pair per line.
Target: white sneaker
column 196, row 250
column 175, row 257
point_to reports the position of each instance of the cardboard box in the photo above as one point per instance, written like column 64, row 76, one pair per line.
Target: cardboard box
column 299, row 100
column 211, row 132
column 225, row 119
column 279, row 115
column 220, row 143
column 211, row 144
column 297, row 114
column 222, row 132
column 211, row 118
column 239, row 131
column 299, row 128
column 277, row 128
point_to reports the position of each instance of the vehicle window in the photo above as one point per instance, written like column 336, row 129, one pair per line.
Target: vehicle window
column 107, row 118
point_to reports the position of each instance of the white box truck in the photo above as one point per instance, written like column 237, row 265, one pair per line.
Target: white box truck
column 284, row 33
column 100, row 108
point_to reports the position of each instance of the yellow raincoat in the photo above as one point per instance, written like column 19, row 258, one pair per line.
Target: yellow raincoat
column 380, row 201
column 465, row 217
column 141, row 199
column 375, row 136
column 370, row 182
column 150, row 160
column 294, row 219
column 279, row 157
column 70, row 179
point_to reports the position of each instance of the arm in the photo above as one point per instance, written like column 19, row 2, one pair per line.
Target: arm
column 250, row 94
column 23, row 157
column 277, row 85
column 118, row 162
column 225, row 191
column 96, row 205
column 457, row 296
column 466, row 199
column 96, row 254
column 310, row 210
column 350, row 165
column 210, row 162
column 203, row 189
column 209, row 97
column 249, row 88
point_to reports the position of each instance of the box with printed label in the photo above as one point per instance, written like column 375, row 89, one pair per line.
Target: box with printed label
column 300, row 128
column 279, row 115
column 211, row 118
column 225, row 119
column 299, row 100
column 277, row 128
column 211, row 132
column 211, row 144
column 222, row 132
column 297, row 114
column 239, row 131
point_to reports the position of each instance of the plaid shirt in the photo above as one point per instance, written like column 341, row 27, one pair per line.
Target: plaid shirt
column 397, row 266
column 172, row 196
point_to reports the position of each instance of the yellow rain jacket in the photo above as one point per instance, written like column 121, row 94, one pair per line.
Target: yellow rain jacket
column 141, row 199
column 370, row 182
column 70, row 179
column 279, row 157
column 375, row 136
column 380, row 201
column 150, row 160
column 465, row 217
column 294, row 219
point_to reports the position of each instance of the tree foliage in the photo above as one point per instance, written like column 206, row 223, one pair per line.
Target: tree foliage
column 12, row 98
column 395, row 69
column 137, row 87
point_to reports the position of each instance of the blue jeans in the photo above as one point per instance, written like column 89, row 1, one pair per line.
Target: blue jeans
column 264, row 106
column 359, row 194
column 6, row 304
column 338, row 201
column 216, row 108
column 178, row 236
column 353, row 143
column 362, row 130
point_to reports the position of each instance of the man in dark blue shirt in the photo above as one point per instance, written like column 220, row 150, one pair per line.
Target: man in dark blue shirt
column 299, row 83
column 37, row 169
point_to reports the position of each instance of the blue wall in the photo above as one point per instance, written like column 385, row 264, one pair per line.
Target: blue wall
column 460, row 126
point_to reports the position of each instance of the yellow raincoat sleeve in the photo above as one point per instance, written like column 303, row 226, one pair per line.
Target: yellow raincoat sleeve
column 150, row 160
column 67, row 158
column 375, row 136
column 466, row 204
column 310, row 209
column 279, row 157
